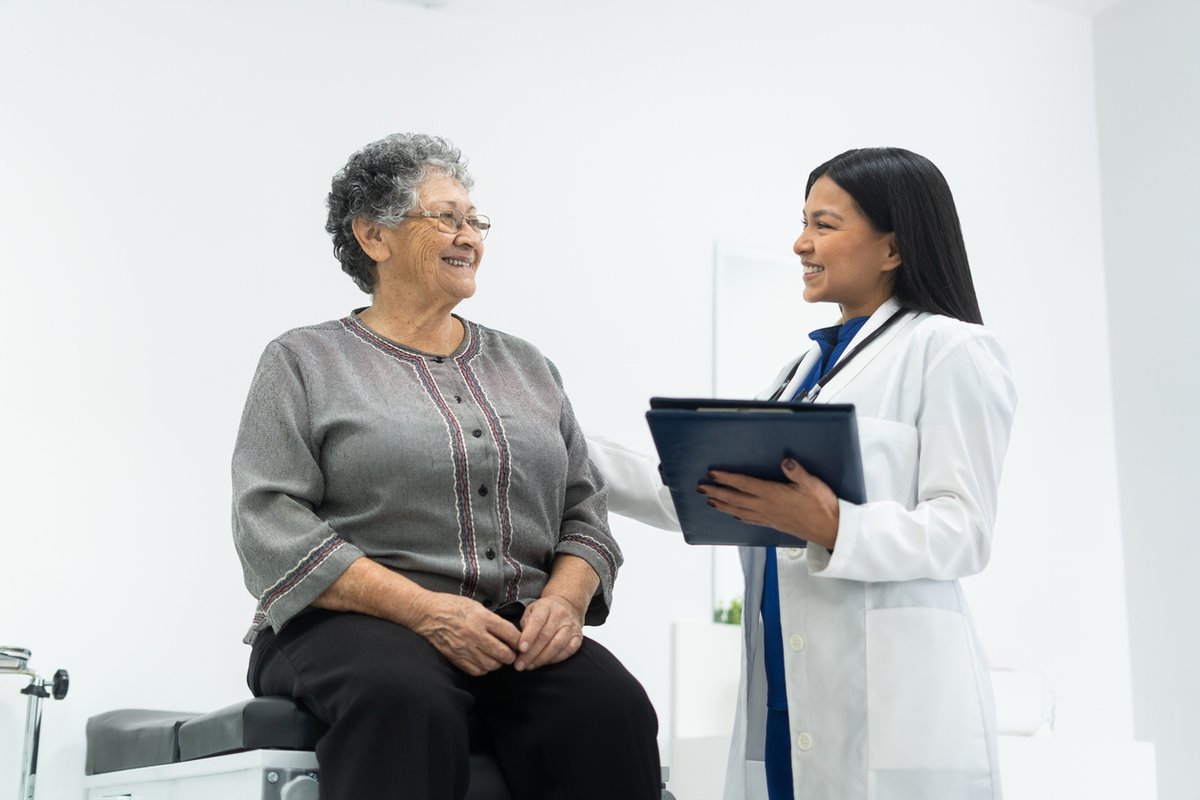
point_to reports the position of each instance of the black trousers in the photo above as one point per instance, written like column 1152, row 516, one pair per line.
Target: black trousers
column 397, row 711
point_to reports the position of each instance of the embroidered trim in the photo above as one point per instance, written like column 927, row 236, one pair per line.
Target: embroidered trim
column 598, row 548
column 504, row 469
column 468, row 558
column 313, row 559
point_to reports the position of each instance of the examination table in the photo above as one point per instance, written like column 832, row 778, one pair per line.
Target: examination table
column 259, row 749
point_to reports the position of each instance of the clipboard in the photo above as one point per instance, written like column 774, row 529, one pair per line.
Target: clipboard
column 751, row 437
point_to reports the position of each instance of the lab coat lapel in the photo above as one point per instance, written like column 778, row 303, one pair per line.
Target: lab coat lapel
column 860, row 361
column 803, row 366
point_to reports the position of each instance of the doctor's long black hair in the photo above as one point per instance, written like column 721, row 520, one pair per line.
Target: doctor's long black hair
column 902, row 192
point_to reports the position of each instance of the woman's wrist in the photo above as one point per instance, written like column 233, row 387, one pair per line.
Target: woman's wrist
column 576, row 604
column 411, row 606
column 574, row 581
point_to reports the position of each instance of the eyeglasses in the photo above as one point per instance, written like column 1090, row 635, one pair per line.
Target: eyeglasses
column 452, row 220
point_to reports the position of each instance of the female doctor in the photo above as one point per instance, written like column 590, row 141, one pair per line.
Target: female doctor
column 861, row 673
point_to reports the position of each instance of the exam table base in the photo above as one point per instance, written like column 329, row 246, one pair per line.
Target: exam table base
column 252, row 775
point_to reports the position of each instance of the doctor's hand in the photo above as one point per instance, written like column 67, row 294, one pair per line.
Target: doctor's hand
column 470, row 636
column 804, row 506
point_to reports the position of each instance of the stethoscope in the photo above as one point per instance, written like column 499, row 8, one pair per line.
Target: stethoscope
column 810, row 395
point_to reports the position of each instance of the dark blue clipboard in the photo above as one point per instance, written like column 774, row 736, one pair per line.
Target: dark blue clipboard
column 752, row 437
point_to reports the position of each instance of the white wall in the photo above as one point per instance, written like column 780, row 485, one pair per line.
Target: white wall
column 1148, row 107
column 163, row 169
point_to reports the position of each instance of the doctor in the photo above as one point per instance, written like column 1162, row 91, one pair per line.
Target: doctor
column 861, row 673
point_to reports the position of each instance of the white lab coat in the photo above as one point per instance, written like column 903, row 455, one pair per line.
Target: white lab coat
column 888, row 693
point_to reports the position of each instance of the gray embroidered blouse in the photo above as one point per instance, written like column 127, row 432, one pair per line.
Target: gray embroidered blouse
column 466, row 473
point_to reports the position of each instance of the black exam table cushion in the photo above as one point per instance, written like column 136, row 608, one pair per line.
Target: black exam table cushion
column 270, row 723
column 132, row 737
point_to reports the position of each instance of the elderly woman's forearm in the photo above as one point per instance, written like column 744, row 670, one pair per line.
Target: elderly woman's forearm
column 367, row 587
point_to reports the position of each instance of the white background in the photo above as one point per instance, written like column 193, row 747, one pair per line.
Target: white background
column 163, row 169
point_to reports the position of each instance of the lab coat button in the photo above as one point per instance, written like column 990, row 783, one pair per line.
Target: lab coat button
column 796, row 642
column 793, row 552
column 804, row 741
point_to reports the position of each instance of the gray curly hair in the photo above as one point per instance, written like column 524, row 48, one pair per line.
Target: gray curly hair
column 379, row 184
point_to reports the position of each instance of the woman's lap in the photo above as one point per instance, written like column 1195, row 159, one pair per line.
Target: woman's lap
column 564, row 728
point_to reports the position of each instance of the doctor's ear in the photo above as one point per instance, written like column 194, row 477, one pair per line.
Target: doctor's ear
column 371, row 239
column 892, row 259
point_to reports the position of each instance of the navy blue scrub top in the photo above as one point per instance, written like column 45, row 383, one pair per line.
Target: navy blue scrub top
column 833, row 342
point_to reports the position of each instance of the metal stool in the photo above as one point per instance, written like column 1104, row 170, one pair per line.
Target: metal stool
column 15, row 661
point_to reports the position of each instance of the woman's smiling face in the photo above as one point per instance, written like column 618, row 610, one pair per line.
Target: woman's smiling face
column 429, row 263
column 846, row 260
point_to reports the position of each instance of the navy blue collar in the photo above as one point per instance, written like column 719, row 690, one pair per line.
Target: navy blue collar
column 829, row 338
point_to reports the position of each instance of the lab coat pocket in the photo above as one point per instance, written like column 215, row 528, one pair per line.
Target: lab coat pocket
column 889, row 455
column 923, row 705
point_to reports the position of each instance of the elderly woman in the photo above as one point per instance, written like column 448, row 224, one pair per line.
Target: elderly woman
column 417, row 517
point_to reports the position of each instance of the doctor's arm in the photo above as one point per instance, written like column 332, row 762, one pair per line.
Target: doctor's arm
column 963, row 427
column 635, row 487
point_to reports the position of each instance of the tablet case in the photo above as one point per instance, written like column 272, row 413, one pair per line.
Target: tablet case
column 751, row 437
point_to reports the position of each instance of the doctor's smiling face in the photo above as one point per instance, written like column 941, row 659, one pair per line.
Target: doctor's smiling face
column 846, row 260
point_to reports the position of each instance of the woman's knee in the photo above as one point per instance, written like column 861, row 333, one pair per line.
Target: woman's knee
column 608, row 695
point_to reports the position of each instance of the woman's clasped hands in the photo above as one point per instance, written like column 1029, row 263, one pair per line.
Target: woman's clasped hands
column 478, row 641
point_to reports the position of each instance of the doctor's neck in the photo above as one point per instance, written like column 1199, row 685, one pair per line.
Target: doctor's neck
column 857, row 310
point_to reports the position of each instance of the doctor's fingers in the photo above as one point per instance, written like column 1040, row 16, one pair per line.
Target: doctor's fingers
column 728, row 495
column 739, row 511
column 809, row 486
column 745, row 484
column 772, row 499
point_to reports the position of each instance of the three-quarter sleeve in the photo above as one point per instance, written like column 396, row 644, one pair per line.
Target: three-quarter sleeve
column 289, row 555
column 584, row 529
column 962, row 428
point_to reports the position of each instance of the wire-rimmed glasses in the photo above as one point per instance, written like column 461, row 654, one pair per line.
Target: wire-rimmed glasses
column 451, row 221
